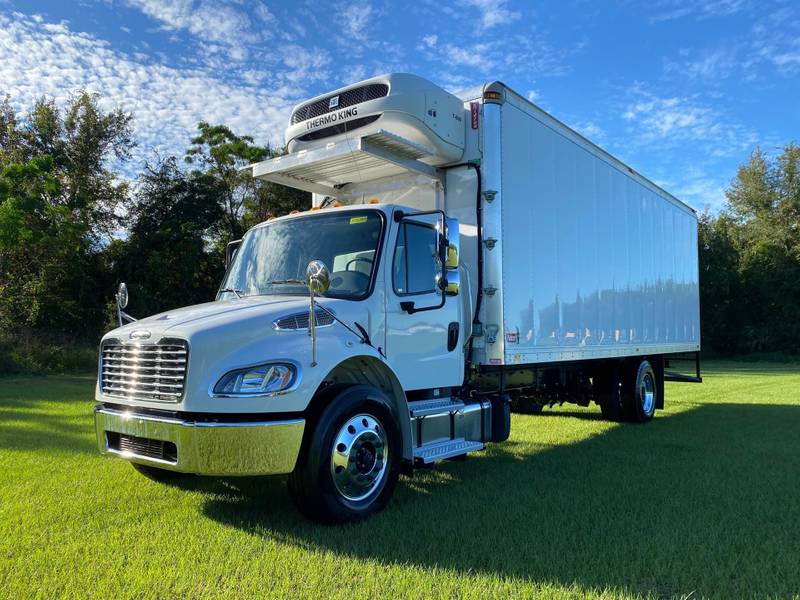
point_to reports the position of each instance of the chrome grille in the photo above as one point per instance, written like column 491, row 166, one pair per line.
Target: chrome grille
column 144, row 372
column 300, row 321
column 346, row 98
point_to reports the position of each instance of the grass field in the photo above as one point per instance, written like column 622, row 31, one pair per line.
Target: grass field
column 702, row 502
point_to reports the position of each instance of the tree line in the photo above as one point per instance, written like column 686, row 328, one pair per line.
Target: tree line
column 72, row 226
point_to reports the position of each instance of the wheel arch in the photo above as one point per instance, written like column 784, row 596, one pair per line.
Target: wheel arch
column 367, row 370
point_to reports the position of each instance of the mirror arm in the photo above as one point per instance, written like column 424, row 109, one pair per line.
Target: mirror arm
column 126, row 317
column 123, row 317
column 410, row 308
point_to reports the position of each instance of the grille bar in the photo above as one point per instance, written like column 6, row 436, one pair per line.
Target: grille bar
column 144, row 372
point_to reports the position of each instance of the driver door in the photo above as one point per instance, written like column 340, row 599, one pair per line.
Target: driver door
column 417, row 337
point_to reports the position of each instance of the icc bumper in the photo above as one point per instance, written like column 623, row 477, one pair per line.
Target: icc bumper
column 201, row 447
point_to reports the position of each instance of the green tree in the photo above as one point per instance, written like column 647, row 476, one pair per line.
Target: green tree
column 720, row 283
column 82, row 140
column 39, row 242
column 223, row 155
column 750, row 259
column 168, row 258
column 57, row 208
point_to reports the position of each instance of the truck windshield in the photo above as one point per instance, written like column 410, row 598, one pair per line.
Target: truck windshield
column 272, row 259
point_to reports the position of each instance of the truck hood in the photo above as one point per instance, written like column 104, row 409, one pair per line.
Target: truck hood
column 231, row 309
column 186, row 321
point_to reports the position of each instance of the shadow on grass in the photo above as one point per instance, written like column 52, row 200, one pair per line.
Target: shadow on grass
column 25, row 426
column 703, row 501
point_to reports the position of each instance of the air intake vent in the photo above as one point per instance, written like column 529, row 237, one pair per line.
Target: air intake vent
column 300, row 321
column 343, row 100
column 339, row 128
column 144, row 447
column 144, row 372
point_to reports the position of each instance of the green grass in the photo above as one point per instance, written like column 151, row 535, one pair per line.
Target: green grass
column 703, row 501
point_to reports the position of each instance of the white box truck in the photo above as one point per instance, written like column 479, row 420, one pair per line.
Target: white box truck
column 463, row 255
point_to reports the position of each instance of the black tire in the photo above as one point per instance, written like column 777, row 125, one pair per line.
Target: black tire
column 641, row 392
column 312, row 485
column 159, row 475
column 608, row 392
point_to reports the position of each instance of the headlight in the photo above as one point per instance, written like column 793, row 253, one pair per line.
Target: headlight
column 262, row 379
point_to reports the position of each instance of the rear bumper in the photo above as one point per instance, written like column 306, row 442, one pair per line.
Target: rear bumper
column 201, row 447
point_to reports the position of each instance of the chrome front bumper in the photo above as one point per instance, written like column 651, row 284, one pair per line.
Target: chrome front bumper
column 201, row 447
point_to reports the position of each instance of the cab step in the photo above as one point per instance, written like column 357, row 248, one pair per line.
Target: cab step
column 430, row 453
column 435, row 406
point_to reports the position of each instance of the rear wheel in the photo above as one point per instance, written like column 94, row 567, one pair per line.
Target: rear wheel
column 641, row 394
column 349, row 465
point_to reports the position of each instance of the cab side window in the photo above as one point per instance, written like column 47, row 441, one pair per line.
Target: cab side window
column 415, row 261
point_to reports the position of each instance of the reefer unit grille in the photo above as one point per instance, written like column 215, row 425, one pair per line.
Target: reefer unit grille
column 144, row 372
column 347, row 98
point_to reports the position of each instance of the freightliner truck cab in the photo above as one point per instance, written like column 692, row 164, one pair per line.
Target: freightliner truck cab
column 358, row 339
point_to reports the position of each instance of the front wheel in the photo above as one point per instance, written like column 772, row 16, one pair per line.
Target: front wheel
column 348, row 468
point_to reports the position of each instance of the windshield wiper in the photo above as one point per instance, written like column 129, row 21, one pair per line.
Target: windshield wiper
column 287, row 281
column 232, row 291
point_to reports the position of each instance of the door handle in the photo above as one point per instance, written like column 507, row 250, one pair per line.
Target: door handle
column 452, row 336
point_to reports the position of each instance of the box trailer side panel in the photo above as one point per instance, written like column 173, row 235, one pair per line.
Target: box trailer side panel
column 597, row 262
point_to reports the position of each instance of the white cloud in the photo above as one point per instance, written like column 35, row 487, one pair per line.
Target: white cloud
column 776, row 40
column 516, row 54
column 50, row 59
column 697, row 188
column 668, row 122
column 709, row 65
column 354, row 19
column 772, row 42
column 493, row 12
column 212, row 21
column 590, row 130
column 430, row 40
column 668, row 10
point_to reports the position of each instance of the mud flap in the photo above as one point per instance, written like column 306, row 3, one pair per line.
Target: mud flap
column 501, row 417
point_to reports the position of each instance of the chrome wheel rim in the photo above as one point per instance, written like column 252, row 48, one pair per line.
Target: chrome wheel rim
column 359, row 457
column 647, row 392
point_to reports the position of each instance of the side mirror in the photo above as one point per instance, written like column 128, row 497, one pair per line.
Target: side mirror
column 230, row 252
column 453, row 244
column 453, row 283
column 318, row 277
column 122, row 295
column 122, row 302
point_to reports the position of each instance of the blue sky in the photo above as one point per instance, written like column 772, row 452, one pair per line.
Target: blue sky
column 680, row 90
